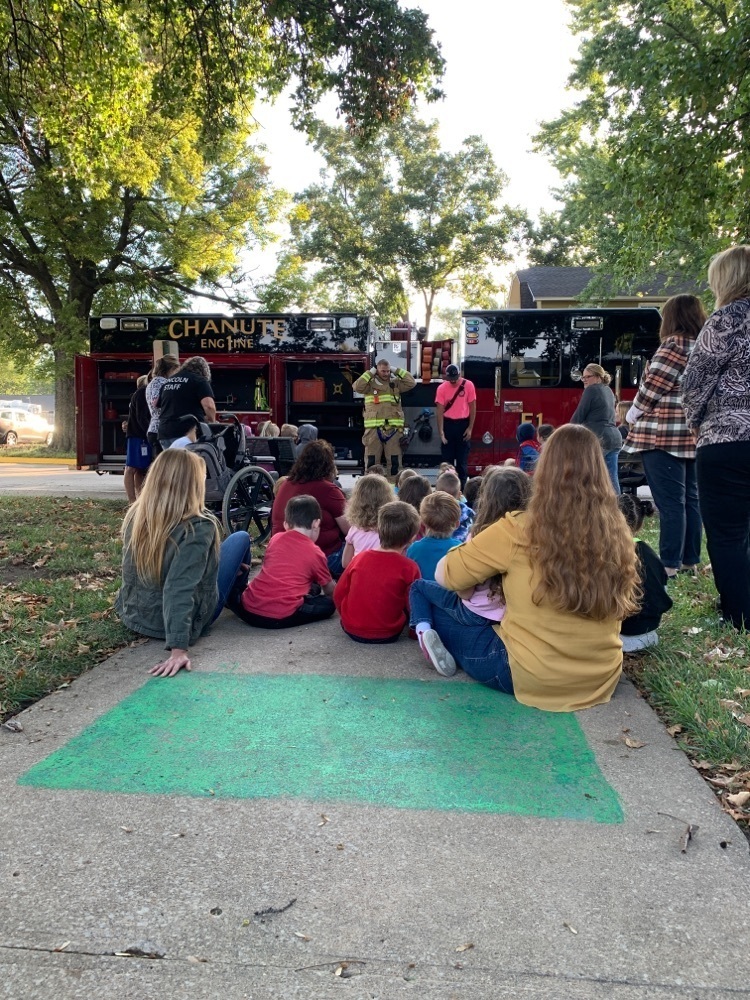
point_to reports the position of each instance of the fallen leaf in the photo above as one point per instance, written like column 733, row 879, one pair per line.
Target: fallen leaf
column 13, row 726
column 693, row 630
column 465, row 947
column 127, row 829
column 323, row 820
column 633, row 744
column 702, row 765
column 717, row 653
column 729, row 704
column 301, row 936
column 674, row 730
column 62, row 947
column 740, row 799
column 742, row 692
column 744, row 719
column 570, row 928
column 339, row 847
column 216, row 911
column 196, row 960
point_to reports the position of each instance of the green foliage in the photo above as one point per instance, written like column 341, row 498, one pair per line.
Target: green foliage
column 393, row 216
column 553, row 242
column 127, row 165
column 655, row 151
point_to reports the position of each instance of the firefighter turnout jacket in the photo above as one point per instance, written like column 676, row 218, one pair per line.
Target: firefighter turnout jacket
column 383, row 399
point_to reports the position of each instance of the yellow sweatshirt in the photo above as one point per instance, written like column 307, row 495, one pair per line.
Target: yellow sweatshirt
column 559, row 661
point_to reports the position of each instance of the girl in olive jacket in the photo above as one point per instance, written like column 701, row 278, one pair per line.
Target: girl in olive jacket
column 176, row 575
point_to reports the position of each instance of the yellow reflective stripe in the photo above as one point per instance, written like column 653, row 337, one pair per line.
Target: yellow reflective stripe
column 386, row 398
column 383, row 422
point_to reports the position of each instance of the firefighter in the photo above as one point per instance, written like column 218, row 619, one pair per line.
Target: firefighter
column 384, row 416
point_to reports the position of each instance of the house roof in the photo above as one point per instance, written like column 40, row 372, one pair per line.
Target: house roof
column 568, row 283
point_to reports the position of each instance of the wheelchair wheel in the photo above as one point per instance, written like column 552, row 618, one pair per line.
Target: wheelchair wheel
column 247, row 503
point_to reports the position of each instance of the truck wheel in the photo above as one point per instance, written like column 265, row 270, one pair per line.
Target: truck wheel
column 247, row 503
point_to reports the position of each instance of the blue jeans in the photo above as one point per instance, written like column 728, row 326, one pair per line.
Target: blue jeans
column 674, row 487
column 235, row 549
column 334, row 562
column 610, row 460
column 470, row 639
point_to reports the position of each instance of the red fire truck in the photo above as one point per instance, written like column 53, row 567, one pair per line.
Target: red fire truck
column 526, row 364
column 286, row 368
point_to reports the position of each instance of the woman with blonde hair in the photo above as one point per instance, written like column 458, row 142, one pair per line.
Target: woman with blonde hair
column 177, row 575
column 596, row 410
column 569, row 578
column 269, row 430
column 716, row 400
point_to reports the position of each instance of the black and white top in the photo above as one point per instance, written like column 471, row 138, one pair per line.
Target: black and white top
column 716, row 384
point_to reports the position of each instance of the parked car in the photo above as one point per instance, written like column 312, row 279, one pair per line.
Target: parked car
column 23, row 427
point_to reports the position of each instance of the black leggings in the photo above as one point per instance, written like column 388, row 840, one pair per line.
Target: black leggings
column 313, row 609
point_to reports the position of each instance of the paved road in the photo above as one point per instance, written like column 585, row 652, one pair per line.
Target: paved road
column 55, row 480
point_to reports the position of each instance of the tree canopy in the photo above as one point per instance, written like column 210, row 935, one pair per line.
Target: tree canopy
column 393, row 217
column 127, row 169
column 655, row 150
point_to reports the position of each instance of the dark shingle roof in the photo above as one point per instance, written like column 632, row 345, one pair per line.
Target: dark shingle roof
column 568, row 283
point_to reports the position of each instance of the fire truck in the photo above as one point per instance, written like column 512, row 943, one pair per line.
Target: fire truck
column 526, row 365
column 286, row 368
column 299, row 368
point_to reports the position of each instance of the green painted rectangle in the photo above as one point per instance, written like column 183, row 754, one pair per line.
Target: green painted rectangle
column 408, row 744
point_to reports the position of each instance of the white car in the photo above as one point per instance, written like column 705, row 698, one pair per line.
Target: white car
column 23, row 427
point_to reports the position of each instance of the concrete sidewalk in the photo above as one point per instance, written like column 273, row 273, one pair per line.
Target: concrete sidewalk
column 419, row 902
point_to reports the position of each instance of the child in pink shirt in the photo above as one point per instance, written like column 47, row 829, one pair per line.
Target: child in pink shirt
column 370, row 493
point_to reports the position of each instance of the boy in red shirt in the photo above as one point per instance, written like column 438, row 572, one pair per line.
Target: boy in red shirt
column 280, row 595
column 372, row 596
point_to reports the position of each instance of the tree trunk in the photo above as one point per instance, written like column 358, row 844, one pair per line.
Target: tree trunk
column 65, row 410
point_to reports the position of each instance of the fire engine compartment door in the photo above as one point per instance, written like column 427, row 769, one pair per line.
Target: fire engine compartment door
column 88, row 415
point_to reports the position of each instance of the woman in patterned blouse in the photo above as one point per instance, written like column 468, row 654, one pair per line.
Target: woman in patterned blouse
column 716, row 397
column 662, row 436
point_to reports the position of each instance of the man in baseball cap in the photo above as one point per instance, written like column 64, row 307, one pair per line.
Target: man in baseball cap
column 455, row 412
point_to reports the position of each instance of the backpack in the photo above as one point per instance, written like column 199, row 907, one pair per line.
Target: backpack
column 217, row 474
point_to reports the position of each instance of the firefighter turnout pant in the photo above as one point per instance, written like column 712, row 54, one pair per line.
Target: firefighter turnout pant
column 383, row 447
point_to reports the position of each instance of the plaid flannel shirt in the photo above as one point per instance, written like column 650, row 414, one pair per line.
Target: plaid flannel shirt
column 663, row 424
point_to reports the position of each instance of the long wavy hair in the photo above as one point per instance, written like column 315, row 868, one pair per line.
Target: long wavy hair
column 579, row 544
column 505, row 490
column 174, row 491
column 315, row 462
column 682, row 316
column 370, row 493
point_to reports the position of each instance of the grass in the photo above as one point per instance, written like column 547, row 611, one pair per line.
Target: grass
column 59, row 573
column 698, row 679
column 35, row 451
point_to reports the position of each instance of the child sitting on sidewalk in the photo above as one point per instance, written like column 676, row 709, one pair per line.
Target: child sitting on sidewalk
column 370, row 493
column 281, row 595
column 639, row 631
column 372, row 595
column 449, row 483
column 506, row 490
column 440, row 515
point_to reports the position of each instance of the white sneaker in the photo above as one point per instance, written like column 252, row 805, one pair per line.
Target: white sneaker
column 635, row 643
column 436, row 653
